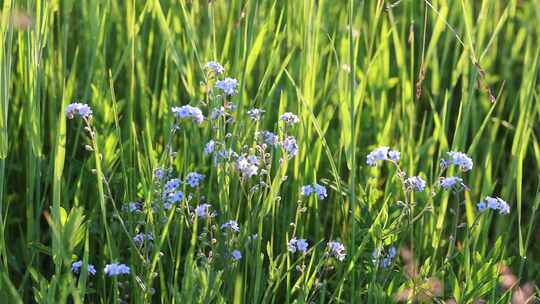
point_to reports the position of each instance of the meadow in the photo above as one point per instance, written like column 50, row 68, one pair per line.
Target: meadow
column 249, row 151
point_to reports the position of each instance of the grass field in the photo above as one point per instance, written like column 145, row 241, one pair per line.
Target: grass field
column 100, row 206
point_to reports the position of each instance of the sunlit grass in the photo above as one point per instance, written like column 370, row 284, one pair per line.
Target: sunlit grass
column 420, row 77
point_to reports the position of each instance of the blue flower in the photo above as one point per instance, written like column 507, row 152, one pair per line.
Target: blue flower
column 132, row 207
column 382, row 154
column 393, row 155
column 236, row 255
column 494, row 203
column 171, row 185
column 81, row 109
column 193, row 179
column 76, row 268
column 175, row 197
column 289, row 118
column 202, row 210
column 449, row 182
column 289, row 144
column 416, row 183
column 392, row 252
column 225, row 155
column 215, row 67
column 269, row 138
column 228, row 86
column 298, row 245
column 209, row 147
column 386, row 262
column 141, row 237
column 188, row 112
column 482, row 206
column 255, row 114
column 233, row 225
column 159, row 174
column 320, row 190
column 459, row 159
column 217, row 113
column 384, row 259
column 116, row 269
column 307, row 190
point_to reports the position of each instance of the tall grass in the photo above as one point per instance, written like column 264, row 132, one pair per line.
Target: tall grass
column 422, row 77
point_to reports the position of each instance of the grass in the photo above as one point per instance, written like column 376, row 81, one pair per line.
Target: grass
column 422, row 77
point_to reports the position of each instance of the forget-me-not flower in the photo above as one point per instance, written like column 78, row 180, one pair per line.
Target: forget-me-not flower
column 290, row 146
column 193, row 179
column 188, row 112
column 289, row 118
column 337, row 250
column 233, row 225
column 382, row 154
column 215, row 67
column 81, row 109
column 255, row 114
column 116, row 269
column 76, row 268
column 236, row 255
column 416, row 183
column 459, row 159
column 495, row 203
column 228, row 86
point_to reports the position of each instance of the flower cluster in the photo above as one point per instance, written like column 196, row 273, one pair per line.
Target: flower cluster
column 171, row 185
column 110, row 270
column 81, row 109
column 193, row 179
column 416, row 183
column 269, row 138
column 209, row 147
column 382, row 154
column 170, row 193
column 159, row 174
column 116, row 269
column 300, row 245
column 236, row 255
column 337, row 250
column 133, row 207
column 232, row 225
column 245, row 158
column 228, row 86
column 141, row 237
column 255, row 114
column 248, row 166
column 76, row 268
column 383, row 259
column 451, row 182
column 459, row 159
column 315, row 188
column 188, row 112
column 202, row 210
column 494, row 203
column 289, row 118
column 215, row 67
column 290, row 146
